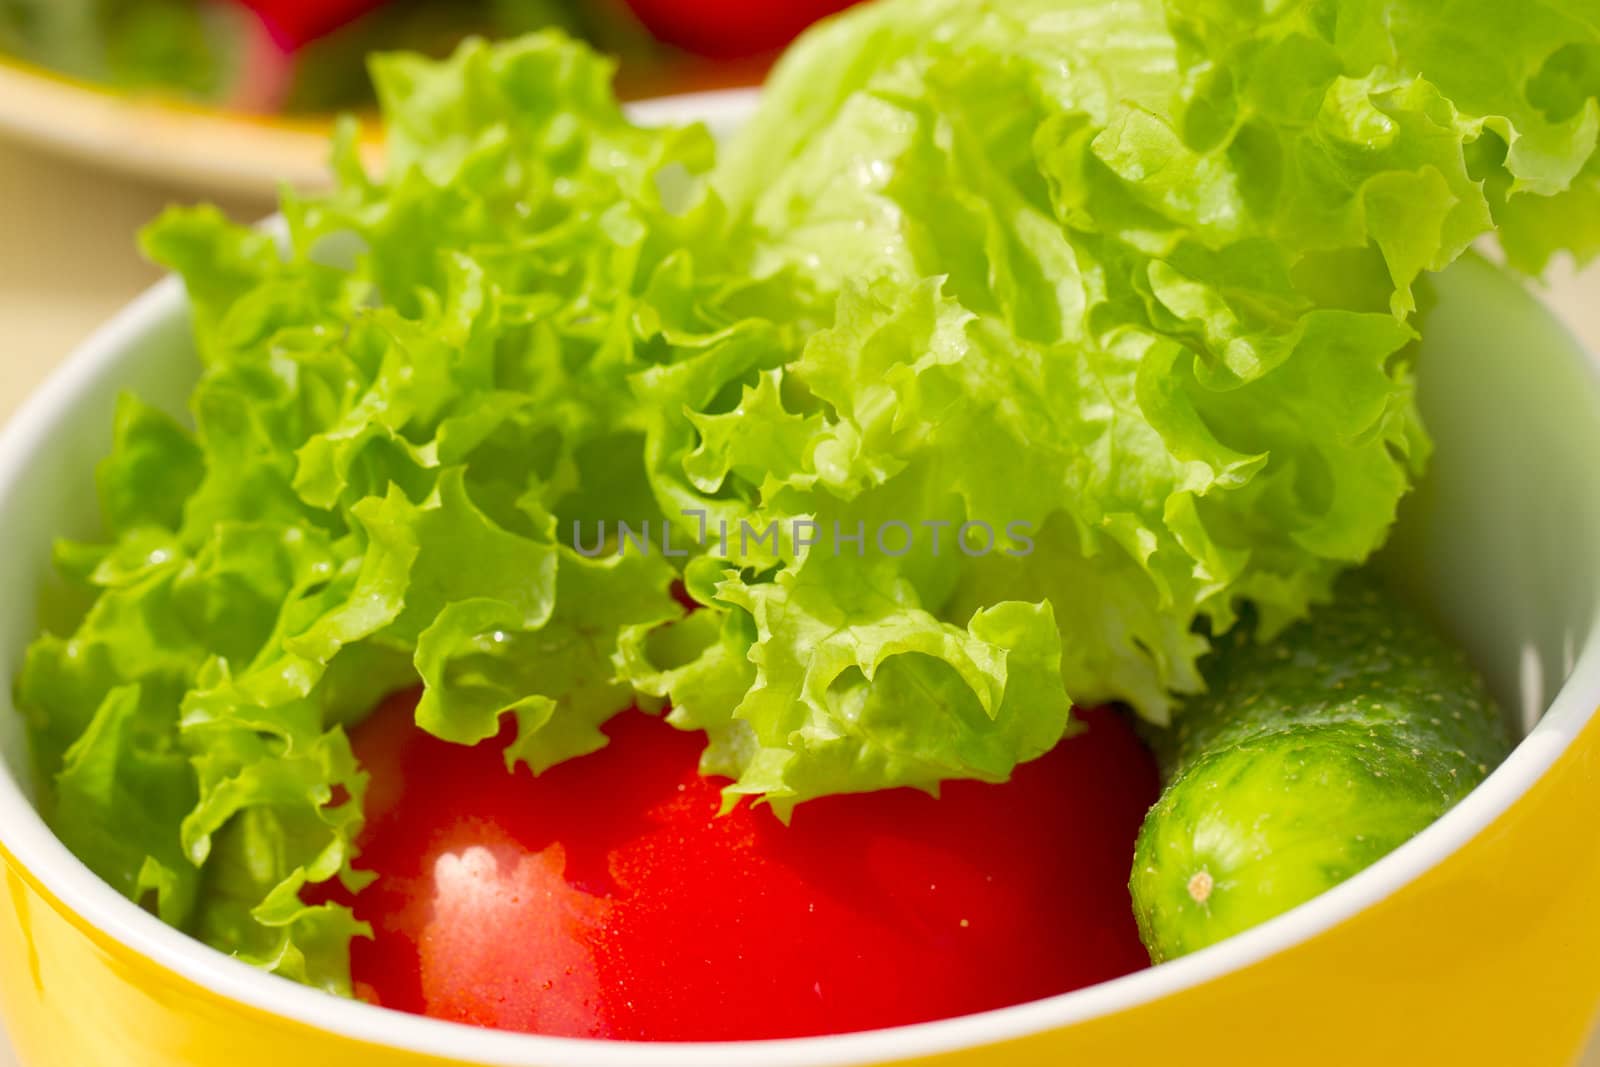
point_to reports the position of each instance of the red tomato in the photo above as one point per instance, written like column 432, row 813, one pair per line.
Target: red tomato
column 607, row 898
column 731, row 29
column 293, row 23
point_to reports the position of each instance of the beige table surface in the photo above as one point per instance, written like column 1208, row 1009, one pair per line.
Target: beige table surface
column 67, row 261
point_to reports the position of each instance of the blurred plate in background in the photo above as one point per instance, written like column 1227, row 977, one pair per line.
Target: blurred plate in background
column 234, row 97
column 200, row 148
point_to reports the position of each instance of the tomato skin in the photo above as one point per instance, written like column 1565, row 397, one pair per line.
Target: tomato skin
column 731, row 29
column 607, row 898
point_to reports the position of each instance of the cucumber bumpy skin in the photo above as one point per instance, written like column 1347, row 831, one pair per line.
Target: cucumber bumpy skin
column 1309, row 757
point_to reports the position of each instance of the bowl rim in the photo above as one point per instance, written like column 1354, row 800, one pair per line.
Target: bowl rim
column 25, row 836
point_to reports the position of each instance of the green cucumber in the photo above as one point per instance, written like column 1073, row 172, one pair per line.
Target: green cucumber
column 1309, row 757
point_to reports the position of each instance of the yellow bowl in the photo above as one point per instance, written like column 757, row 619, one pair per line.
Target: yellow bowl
column 1475, row 943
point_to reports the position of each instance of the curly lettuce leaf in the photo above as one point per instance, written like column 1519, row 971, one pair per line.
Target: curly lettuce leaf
column 1520, row 83
column 117, row 792
column 1142, row 276
column 397, row 405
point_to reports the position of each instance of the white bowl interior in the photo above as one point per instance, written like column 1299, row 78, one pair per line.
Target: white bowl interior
column 1502, row 538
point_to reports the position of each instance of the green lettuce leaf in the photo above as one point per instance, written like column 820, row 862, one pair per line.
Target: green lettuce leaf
column 1141, row 276
column 396, row 405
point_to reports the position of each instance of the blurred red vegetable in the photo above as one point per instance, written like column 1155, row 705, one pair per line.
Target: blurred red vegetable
column 731, row 29
column 293, row 23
